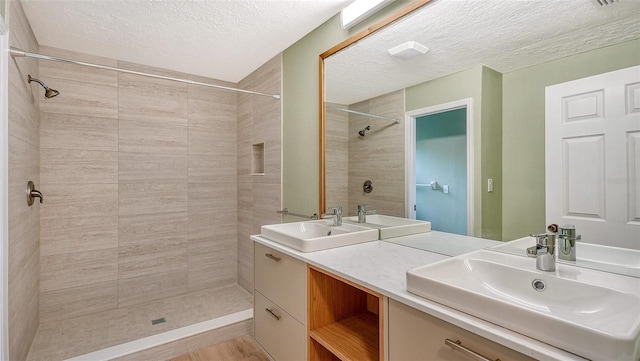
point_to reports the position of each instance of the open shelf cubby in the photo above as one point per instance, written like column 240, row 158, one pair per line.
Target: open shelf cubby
column 345, row 320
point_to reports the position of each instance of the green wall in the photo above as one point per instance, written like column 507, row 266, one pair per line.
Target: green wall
column 523, row 206
column 300, row 97
column 491, row 153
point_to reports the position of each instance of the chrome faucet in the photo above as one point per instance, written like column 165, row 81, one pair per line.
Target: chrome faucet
column 567, row 242
column 336, row 216
column 362, row 213
column 544, row 251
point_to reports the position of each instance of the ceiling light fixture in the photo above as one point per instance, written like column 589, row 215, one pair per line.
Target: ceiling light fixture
column 360, row 10
column 408, row 50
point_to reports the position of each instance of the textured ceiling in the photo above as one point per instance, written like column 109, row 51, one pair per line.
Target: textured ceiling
column 504, row 35
column 221, row 39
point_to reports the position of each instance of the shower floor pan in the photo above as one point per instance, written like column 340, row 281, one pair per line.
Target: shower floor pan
column 68, row 338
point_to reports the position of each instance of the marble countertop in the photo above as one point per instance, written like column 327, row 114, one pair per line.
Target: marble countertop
column 381, row 266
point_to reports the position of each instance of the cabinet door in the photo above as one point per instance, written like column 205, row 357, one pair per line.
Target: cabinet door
column 282, row 336
column 414, row 335
column 283, row 280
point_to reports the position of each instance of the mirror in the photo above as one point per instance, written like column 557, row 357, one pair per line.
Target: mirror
column 500, row 54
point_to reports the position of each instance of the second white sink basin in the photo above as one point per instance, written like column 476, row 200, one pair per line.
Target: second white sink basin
column 310, row 236
column 611, row 259
column 391, row 227
column 585, row 317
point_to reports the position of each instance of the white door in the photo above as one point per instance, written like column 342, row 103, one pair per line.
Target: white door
column 593, row 157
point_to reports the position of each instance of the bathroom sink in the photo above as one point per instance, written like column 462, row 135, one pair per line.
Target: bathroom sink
column 310, row 236
column 590, row 313
column 390, row 227
column 611, row 259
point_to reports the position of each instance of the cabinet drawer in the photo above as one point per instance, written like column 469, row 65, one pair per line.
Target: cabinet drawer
column 415, row 335
column 283, row 280
column 284, row 338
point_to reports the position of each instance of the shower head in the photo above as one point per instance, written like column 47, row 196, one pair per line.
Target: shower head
column 48, row 92
column 363, row 131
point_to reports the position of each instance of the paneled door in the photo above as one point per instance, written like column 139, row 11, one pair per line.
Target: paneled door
column 592, row 157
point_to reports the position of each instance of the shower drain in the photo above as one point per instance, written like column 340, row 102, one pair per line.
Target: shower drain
column 158, row 320
column 538, row 285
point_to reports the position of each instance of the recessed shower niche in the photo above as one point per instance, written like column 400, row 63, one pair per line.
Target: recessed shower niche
column 257, row 159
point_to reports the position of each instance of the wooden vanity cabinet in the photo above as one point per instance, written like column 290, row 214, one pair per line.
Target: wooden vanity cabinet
column 345, row 319
column 280, row 306
column 415, row 335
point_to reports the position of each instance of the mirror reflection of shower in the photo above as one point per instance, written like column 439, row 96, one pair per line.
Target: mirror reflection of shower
column 48, row 92
column 363, row 131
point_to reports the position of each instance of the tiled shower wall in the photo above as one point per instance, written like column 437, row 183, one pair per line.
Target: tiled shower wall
column 140, row 185
column 337, row 159
column 24, row 163
column 378, row 156
column 259, row 195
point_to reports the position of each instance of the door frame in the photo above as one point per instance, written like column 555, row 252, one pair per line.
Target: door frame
column 410, row 155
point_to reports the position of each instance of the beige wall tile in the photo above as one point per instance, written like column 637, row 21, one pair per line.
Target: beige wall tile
column 212, row 168
column 211, row 141
column 79, row 301
column 152, row 137
column 215, row 112
column 64, row 131
column 67, row 235
column 69, row 166
column 152, row 243
column 152, row 197
column 24, row 163
column 259, row 197
column 152, row 100
column 24, row 226
column 81, row 98
column 85, row 74
column 79, row 200
column 149, row 260
column 212, row 94
column 149, row 167
column 137, row 232
column 378, row 148
column 20, row 35
column 60, row 271
column 23, row 120
column 212, row 224
column 137, row 290
column 23, row 158
column 212, row 263
column 220, row 196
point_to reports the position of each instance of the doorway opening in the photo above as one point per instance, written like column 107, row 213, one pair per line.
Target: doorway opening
column 440, row 166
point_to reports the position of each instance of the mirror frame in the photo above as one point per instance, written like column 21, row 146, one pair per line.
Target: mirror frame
column 413, row 6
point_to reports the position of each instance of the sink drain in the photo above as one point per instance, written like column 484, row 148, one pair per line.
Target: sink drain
column 538, row 285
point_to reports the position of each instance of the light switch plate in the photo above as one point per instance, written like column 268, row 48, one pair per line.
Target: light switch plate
column 445, row 189
column 490, row 185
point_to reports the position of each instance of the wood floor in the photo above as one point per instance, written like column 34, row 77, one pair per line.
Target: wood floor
column 238, row 349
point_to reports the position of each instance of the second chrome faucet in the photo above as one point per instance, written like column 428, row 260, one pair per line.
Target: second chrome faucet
column 336, row 216
column 544, row 251
column 545, row 247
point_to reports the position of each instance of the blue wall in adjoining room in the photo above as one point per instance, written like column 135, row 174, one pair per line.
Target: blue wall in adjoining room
column 441, row 155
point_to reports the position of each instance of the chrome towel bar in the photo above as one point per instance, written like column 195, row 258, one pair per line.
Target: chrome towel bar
column 287, row 213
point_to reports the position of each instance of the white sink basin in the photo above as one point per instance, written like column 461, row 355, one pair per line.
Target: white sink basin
column 593, row 314
column 390, row 227
column 611, row 259
column 310, row 236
